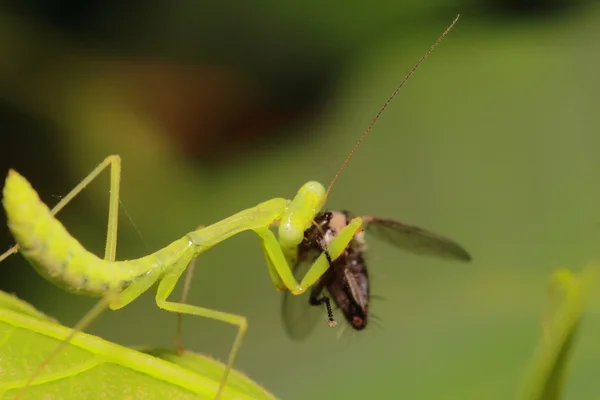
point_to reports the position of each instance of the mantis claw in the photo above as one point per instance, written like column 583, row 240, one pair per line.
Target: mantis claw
column 298, row 290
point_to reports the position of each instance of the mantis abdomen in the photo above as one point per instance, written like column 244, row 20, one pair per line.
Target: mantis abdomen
column 55, row 254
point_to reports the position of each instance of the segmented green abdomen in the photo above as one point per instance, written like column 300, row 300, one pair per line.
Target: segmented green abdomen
column 54, row 253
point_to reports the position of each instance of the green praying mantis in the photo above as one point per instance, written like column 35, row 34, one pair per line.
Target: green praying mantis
column 59, row 257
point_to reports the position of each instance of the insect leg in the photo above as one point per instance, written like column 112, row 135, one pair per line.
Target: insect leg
column 184, row 294
column 273, row 272
column 314, row 298
column 112, row 300
column 279, row 268
column 114, row 161
column 87, row 319
column 319, row 301
column 166, row 286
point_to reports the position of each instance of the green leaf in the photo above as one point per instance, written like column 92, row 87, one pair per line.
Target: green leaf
column 12, row 302
column 92, row 368
column 560, row 325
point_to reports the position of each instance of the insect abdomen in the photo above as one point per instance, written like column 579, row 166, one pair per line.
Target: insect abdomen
column 47, row 245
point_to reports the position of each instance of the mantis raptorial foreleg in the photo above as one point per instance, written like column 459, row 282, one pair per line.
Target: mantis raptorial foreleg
column 277, row 262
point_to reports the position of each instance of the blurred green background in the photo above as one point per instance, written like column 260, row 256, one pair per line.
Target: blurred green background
column 215, row 107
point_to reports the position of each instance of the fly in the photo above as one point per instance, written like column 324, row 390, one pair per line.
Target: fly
column 346, row 282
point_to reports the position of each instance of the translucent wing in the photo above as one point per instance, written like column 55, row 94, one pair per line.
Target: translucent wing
column 298, row 315
column 414, row 239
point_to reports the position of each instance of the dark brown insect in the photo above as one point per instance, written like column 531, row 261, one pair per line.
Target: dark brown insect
column 346, row 282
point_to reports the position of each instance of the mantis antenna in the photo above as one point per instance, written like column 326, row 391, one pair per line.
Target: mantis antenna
column 362, row 137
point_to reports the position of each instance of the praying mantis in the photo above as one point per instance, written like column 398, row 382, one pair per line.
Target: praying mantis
column 59, row 257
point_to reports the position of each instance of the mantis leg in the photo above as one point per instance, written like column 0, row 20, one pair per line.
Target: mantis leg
column 273, row 272
column 165, row 288
column 184, row 294
column 114, row 161
column 278, row 263
column 112, row 300
column 335, row 249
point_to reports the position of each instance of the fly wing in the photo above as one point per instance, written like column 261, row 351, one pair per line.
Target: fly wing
column 298, row 315
column 414, row 239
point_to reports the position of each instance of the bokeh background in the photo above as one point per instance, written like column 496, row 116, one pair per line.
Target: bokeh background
column 215, row 107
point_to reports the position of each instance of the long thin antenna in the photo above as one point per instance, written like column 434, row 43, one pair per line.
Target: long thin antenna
column 359, row 141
